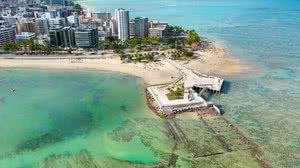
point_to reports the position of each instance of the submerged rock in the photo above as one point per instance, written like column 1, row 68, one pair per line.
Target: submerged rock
column 38, row 142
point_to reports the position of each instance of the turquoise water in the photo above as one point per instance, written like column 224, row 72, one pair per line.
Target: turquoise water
column 262, row 33
column 57, row 119
column 46, row 114
column 78, row 119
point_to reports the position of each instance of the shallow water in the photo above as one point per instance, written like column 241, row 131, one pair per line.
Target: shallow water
column 52, row 119
column 264, row 34
column 51, row 113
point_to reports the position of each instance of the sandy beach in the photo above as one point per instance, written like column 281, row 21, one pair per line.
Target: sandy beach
column 213, row 61
column 216, row 60
column 152, row 74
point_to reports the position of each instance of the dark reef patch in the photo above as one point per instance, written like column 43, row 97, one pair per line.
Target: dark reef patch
column 2, row 99
column 38, row 142
column 124, row 108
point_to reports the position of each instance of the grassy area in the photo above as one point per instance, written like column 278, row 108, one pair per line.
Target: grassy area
column 176, row 91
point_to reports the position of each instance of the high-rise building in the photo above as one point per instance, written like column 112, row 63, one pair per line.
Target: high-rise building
column 26, row 25
column 4, row 23
column 7, row 34
column 25, row 36
column 73, row 20
column 102, row 16
column 56, row 36
column 122, row 16
column 62, row 37
column 50, row 14
column 86, row 37
column 113, row 27
column 141, row 27
column 68, row 37
column 57, row 22
column 11, row 20
column 42, row 26
column 57, row 2
column 131, row 29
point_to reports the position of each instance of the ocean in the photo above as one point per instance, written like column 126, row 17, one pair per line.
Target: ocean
column 262, row 33
column 46, row 114
column 87, row 119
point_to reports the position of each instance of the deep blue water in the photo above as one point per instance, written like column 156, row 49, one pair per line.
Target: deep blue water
column 263, row 33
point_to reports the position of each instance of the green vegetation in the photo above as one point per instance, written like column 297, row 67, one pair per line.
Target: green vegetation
column 193, row 38
column 142, row 57
column 177, row 38
column 142, row 43
column 175, row 31
column 77, row 8
column 121, row 53
column 181, row 53
column 27, row 46
column 10, row 46
column 176, row 91
column 111, row 43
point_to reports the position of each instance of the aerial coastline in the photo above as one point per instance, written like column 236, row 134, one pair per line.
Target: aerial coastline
column 76, row 77
column 180, row 70
column 212, row 61
column 169, row 55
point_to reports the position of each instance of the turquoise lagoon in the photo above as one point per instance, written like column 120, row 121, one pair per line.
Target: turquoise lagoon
column 53, row 113
column 264, row 104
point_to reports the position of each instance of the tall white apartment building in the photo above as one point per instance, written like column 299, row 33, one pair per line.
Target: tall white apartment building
column 42, row 25
column 122, row 17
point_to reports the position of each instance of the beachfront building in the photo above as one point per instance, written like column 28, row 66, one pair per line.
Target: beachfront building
column 122, row 17
column 159, row 31
column 86, row 37
column 62, row 37
column 69, row 37
column 113, row 26
column 26, row 25
column 42, row 26
column 56, row 36
column 131, row 29
column 25, row 36
column 141, row 27
column 7, row 34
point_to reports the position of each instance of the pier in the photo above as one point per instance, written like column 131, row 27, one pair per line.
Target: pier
column 195, row 84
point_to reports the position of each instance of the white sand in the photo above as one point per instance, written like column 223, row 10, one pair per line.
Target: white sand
column 152, row 73
column 213, row 61
column 217, row 61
